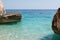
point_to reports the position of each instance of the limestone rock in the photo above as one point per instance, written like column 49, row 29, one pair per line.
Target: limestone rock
column 56, row 22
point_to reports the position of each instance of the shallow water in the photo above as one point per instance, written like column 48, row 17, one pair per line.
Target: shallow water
column 35, row 25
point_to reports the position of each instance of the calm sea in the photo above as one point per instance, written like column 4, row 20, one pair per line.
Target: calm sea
column 35, row 25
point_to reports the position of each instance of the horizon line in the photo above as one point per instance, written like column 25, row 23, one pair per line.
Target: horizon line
column 36, row 9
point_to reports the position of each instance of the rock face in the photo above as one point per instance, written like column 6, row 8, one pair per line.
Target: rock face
column 56, row 22
column 10, row 17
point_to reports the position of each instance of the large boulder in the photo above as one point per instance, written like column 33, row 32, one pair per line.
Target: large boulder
column 56, row 22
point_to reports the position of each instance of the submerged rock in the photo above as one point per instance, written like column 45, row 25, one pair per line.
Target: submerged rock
column 10, row 17
column 56, row 22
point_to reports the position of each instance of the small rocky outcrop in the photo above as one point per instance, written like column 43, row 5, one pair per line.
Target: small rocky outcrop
column 56, row 22
column 10, row 17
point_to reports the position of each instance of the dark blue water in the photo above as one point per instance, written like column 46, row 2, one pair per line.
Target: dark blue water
column 35, row 25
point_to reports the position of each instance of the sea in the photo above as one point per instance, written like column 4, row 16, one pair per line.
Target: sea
column 34, row 25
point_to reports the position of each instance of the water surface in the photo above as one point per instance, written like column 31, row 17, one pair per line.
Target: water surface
column 35, row 25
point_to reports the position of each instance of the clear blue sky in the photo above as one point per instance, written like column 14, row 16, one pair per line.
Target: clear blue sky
column 31, row 4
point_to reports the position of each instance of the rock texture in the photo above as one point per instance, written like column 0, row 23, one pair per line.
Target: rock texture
column 56, row 22
column 10, row 17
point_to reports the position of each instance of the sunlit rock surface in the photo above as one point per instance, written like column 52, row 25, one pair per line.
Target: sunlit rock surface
column 2, row 9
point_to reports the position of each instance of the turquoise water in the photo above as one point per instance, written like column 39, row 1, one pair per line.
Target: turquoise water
column 35, row 25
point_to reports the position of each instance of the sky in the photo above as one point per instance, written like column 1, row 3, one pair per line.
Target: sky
column 31, row 4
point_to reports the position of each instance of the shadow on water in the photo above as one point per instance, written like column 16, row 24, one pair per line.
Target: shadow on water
column 51, row 37
column 9, row 23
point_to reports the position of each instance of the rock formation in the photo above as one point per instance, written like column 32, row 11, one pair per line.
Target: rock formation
column 56, row 22
column 8, row 17
column 11, row 17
